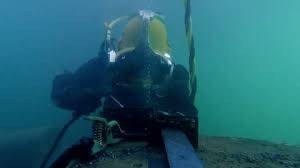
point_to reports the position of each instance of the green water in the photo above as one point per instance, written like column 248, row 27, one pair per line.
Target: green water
column 247, row 57
column 249, row 83
column 248, row 66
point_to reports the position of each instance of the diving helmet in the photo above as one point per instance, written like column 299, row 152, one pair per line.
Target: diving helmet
column 145, row 31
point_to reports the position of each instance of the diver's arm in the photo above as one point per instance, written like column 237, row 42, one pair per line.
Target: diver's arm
column 179, row 84
column 179, row 92
column 82, row 90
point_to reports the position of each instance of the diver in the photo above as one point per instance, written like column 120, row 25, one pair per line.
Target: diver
column 130, row 80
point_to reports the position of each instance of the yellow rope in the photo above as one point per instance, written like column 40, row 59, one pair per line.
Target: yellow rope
column 191, row 47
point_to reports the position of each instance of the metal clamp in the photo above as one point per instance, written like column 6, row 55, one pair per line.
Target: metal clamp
column 102, row 132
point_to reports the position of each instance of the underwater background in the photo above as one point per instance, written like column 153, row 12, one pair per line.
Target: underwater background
column 247, row 61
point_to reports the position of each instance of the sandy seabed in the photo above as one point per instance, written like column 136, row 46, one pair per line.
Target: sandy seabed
column 216, row 152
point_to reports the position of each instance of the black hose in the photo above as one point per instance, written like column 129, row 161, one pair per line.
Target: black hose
column 58, row 139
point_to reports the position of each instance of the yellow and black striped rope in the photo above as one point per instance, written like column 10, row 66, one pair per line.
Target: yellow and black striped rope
column 191, row 47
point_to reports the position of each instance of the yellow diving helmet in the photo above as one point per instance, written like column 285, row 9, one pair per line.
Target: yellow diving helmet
column 143, row 29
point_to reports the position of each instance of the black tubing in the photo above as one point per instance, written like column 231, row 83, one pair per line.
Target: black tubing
column 58, row 139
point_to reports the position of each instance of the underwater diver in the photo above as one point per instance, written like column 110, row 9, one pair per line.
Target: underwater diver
column 132, row 80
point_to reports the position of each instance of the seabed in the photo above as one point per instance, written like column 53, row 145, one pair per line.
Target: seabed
column 216, row 152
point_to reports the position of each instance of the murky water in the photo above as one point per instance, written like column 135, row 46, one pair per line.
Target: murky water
column 247, row 60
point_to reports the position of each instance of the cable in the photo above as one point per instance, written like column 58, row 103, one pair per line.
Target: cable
column 58, row 139
column 191, row 46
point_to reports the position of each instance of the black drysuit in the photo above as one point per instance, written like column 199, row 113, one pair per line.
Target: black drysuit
column 82, row 90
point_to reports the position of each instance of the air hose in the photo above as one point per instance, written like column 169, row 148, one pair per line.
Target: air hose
column 191, row 48
column 58, row 139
